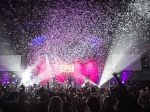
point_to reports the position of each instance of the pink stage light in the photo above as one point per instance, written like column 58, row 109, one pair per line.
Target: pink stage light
column 41, row 67
column 91, row 69
column 77, row 70
column 79, row 73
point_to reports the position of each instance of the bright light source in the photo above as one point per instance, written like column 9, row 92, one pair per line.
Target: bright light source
column 26, row 75
column 119, row 63
column 67, row 68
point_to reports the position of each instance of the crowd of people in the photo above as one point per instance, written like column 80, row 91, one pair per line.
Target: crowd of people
column 86, row 99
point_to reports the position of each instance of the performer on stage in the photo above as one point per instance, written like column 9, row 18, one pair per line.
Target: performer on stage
column 69, row 79
column 87, row 81
column 69, row 82
column 54, row 81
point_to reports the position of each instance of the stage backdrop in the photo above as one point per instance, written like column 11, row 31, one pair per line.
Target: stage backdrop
column 77, row 70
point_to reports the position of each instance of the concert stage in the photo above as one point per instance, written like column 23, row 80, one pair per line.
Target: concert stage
column 78, row 71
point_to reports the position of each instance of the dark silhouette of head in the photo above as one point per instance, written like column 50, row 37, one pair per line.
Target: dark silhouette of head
column 61, row 95
column 112, row 90
column 1, row 93
column 22, row 89
column 51, row 94
column 44, row 97
column 55, row 104
column 41, row 91
column 94, row 104
column 22, row 97
column 93, row 90
column 121, row 93
column 147, row 88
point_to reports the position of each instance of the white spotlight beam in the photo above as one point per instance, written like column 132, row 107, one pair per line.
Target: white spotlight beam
column 116, row 65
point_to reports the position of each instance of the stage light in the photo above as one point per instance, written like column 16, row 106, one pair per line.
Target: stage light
column 121, row 63
column 26, row 75
column 38, row 41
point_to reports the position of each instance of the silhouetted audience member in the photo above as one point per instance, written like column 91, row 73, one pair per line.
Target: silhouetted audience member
column 44, row 97
column 86, row 99
column 74, row 100
column 94, row 104
column 2, row 102
column 22, row 89
column 55, row 104
column 144, row 100
column 110, row 100
column 13, row 105
column 43, row 105
column 125, row 103
column 24, row 103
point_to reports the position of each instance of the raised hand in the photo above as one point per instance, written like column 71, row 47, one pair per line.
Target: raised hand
column 115, row 74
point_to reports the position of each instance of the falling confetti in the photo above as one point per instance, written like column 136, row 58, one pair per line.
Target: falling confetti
column 74, row 30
